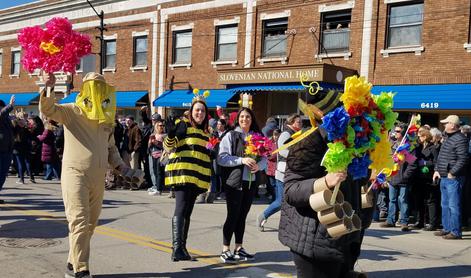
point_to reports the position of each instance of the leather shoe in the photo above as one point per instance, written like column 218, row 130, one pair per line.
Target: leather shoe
column 451, row 236
column 440, row 233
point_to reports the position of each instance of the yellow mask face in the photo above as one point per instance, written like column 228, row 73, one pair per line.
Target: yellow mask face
column 98, row 101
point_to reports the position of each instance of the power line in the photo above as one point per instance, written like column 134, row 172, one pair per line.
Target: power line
column 354, row 25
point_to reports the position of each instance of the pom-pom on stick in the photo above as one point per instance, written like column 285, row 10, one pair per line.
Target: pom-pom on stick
column 54, row 48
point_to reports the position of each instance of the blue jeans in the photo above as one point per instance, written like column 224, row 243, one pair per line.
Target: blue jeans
column 275, row 206
column 451, row 204
column 381, row 203
column 156, row 173
column 398, row 197
column 5, row 161
column 22, row 164
column 52, row 169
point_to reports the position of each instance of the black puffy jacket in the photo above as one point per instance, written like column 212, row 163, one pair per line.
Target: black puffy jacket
column 453, row 155
column 300, row 229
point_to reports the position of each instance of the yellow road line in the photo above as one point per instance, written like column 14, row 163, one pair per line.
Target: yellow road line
column 134, row 238
column 118, row 234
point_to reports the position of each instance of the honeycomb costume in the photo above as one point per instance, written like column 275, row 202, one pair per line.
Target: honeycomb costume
column 89, row 147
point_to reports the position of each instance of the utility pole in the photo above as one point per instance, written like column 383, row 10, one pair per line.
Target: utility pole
column 102, row 28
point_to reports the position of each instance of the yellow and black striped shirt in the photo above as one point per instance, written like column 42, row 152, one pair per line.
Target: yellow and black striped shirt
column 190, row 163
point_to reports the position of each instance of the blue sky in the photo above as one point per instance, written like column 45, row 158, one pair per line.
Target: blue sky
column 11, row 3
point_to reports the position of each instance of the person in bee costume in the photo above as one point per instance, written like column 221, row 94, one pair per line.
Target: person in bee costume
column 88, row 148
column 189, row 168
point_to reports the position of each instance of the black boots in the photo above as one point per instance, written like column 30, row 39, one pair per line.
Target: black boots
column 179, row 234
column 186, row 227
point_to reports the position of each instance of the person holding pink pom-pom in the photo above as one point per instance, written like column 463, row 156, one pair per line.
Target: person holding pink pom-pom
column 88, row 148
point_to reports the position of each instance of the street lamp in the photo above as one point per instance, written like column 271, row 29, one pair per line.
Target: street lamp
column 102, row 28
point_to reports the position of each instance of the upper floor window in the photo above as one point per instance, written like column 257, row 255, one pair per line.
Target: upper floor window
column 405, row 24
column 335, row 31
column 226, row 43
column 182, row 47
column 15, row 62
column 110, row 54
column 79, row 66
column 274, row 37
column 140, row 51
column 1, row 63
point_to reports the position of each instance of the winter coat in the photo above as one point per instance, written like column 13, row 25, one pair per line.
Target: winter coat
column 426, row 157
column 22, row 141
column 118, row 133
column 146, row 131
column 271, row 163
column 231, row 153
column 267, row 130
column 300, row 229
column 6, row 129
column 407, row 171
column 134, row 138
column 453, row 155
column 48, row 151
column 284, row 138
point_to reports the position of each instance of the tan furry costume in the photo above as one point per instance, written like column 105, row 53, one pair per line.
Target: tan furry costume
column 89, row 147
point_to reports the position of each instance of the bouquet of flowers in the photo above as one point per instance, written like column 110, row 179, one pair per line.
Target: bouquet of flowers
column 212, row 143
column 55, row 48
column 358, row 130
column 257, row 147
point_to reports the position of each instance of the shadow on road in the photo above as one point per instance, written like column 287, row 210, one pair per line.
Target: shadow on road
column 31, row 227
column 386, row 233
column 258, row 268
column 36, row 227
column 456, row 271
column 379, row 255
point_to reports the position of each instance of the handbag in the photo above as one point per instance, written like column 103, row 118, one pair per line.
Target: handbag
column 164, row 158
column 156, row 154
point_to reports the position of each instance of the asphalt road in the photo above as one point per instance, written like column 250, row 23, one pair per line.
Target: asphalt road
column 134, row 240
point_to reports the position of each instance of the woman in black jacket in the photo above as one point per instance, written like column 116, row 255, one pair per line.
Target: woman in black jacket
column 427, row 193
column 22, row 150
column 315, row 253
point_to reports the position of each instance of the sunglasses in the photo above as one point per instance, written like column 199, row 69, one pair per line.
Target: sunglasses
column 397, row 131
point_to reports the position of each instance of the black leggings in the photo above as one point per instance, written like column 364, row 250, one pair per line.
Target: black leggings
column 238, row 203
column 307, row 267
column 185, row 197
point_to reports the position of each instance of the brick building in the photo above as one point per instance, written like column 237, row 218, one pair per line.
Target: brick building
column 166, row 48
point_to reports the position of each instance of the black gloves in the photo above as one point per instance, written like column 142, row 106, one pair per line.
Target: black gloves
column 170, row 127
column 175, row 130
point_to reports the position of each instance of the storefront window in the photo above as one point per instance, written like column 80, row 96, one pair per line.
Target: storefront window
column 335, row 31
column 274, row 37
column 405, row 25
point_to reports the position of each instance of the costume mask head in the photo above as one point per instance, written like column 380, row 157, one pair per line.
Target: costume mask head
column 97, row 100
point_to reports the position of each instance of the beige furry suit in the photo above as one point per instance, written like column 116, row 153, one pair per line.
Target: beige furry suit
column 89, row 147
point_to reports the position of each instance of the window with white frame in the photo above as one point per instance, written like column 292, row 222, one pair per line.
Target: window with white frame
column 15, row 62
column 226, row 37
column 405, row 24
column 335, row 31
column 110, row 54
column 1, row 63
column 182, row 47
column 140, row 51
column 274, row 37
